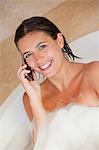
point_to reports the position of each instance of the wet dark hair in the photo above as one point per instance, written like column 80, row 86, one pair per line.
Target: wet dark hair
column 38, row 23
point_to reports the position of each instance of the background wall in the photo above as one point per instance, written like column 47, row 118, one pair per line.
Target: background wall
column 12, row 12
column 75, row 18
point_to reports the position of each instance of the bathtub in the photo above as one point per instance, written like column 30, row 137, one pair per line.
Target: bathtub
column 86, row 47
column 13, row 119
column 15, row 133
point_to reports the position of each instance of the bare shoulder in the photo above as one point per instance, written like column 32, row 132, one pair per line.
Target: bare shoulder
column 27, row 106
column 93, row 74
column 93, row 68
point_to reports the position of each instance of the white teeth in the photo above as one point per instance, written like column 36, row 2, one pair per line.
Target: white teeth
column 46, row 65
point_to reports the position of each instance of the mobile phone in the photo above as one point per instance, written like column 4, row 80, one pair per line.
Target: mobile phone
column 29, row 75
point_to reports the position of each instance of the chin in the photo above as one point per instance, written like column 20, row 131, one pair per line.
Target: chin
column 51, row 75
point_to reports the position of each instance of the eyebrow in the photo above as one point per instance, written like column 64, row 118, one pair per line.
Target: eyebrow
column 35, row 47
column 25, row 53
column 39, row 44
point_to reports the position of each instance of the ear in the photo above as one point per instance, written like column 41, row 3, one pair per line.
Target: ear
column 60, row 40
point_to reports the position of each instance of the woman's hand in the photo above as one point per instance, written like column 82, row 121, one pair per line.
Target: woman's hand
column 33, row 90
column 32, row 87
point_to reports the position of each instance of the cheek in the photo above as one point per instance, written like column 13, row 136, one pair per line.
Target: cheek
column 52, row 51
column 34, row 66
column 31, row 63
column 56, row 53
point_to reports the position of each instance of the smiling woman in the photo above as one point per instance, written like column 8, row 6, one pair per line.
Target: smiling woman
column 35, row 52
column 66, row 88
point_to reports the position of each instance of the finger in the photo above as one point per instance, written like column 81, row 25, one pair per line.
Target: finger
column 21, row 69
column 22, row 73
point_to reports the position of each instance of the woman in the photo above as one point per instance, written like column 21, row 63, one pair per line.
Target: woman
column 68, row 86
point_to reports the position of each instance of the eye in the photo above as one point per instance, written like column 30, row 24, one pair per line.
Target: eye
column 42, row 47
column 27, row 55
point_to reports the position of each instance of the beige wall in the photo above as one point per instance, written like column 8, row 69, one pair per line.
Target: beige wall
column 74, row 17
column 11, row 14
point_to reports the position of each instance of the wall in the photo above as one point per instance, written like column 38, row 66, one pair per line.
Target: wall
column 74, row 17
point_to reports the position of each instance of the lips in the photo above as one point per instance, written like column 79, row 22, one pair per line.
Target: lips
column 45, row 66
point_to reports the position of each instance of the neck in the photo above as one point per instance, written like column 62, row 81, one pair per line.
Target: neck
column 62, row 77
column 65, row 75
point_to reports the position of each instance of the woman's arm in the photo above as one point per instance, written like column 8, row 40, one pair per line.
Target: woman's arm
column 33, row 91
column 94, row 76
column 27, row 106
column 28, row 110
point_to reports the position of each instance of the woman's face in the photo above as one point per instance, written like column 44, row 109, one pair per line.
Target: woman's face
column 42, row 53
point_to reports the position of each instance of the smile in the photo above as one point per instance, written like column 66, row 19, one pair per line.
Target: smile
column 46, row 65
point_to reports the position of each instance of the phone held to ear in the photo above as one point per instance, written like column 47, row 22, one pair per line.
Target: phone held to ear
column 29, row 76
